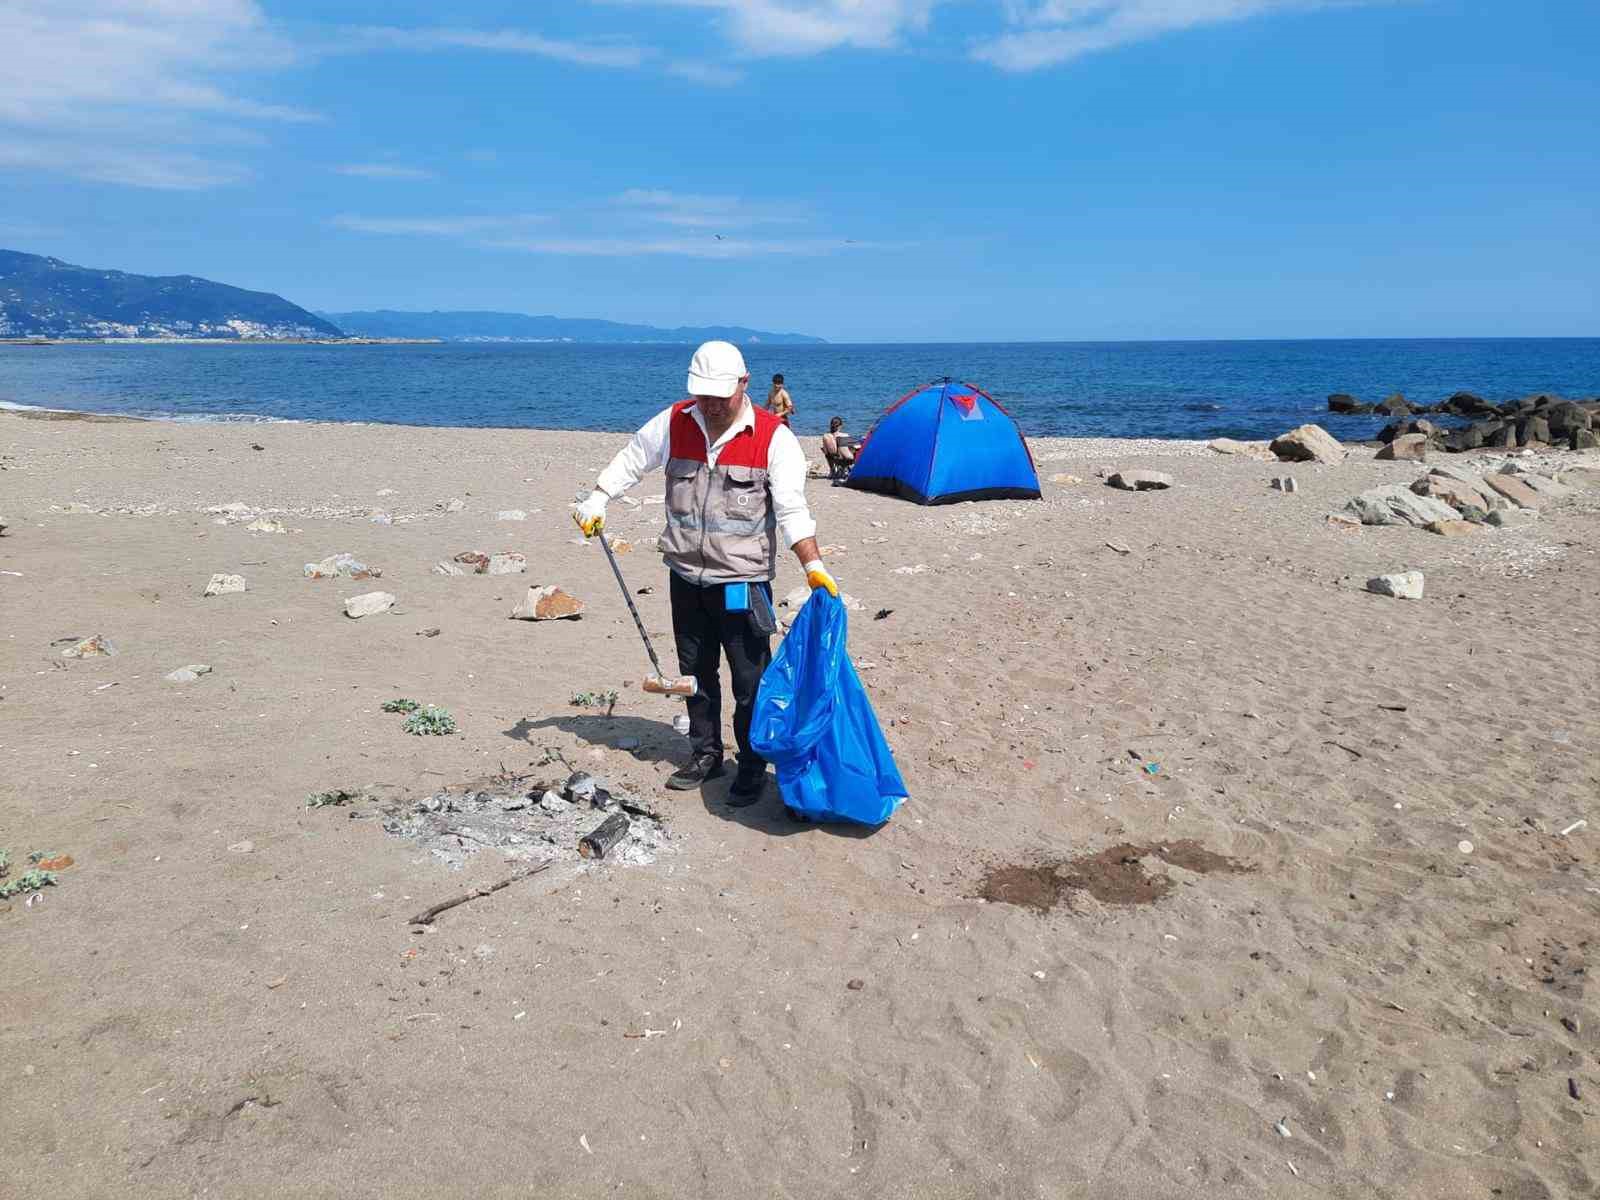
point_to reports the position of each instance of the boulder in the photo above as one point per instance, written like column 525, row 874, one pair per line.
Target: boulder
column 547, row 604
column 1514, row 490
column 1533, row 429
column 98, row 646
column 1348, row 405
column 1393, row 406
column 1224, row 445
column 1412, row 447
column 1405, row 585
column 1459, row 440
column 1546, row 487
column 1308, row 443
column 1583, row 439
column 1140, row 481
column 1566, row 417
column 1456, row 494
column 1451, row 528
column 1397, row 504
column 1507, row 517
column 368, row 605
column 508, row 563
column 1465, row 404
column 336, row 566
column 225, row 585
column 187, row 674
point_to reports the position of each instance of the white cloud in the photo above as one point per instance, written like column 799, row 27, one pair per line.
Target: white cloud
column 503, row 41
column 621, row 229
column 1050, row 32
column 101, row 89
column 689, row 211
column 775, row 28
column 434, row 226
column 382, row 171
column 706, row 74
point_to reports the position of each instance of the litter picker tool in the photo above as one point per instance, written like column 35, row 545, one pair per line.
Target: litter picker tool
column 659, row 684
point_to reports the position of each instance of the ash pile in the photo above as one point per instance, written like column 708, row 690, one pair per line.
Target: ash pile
column 528, row 821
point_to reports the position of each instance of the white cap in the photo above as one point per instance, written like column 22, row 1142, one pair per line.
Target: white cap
column 715, row 370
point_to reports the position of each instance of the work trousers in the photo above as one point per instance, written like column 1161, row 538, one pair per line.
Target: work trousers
column 705, row 631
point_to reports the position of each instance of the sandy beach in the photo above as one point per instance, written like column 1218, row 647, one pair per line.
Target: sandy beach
column 1318, row 932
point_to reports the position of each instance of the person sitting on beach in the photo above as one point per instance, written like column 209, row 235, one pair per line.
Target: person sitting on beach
column 736, row 492
column 779, row 403
column 840, row 453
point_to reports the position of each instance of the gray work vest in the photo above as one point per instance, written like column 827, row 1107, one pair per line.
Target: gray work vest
column 721, row 526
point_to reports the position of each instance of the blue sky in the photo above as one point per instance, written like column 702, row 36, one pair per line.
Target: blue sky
column 859, row 169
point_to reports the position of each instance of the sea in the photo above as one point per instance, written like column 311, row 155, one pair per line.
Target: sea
column 1189, row 389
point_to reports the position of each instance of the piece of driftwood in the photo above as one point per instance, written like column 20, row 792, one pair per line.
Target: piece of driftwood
column 426, row 916
column 604, row 836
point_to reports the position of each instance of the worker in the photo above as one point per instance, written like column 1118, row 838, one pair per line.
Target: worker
column 735, row 491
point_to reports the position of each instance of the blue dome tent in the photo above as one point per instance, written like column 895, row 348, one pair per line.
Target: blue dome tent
column 944, row 443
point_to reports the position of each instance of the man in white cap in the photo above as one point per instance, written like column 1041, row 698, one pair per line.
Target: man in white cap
column 735, row 489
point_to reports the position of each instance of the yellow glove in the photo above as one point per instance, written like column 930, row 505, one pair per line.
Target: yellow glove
column 817, row 577
column 591, row 514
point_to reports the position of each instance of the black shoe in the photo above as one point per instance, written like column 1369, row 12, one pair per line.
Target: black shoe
column 695, row 772
column 747, row 788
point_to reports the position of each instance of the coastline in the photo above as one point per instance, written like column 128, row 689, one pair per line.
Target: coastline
column 227, row 979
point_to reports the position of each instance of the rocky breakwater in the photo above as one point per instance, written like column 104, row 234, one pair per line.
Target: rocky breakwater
column 1538, row 421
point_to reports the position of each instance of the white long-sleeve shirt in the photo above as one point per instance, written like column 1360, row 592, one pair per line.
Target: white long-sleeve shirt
column 786, row 467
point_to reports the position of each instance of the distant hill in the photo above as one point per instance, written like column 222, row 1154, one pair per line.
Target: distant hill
column 45, row 297
column 519, row 327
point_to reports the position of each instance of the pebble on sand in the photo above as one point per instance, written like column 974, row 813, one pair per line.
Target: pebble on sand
column 188, row 674
column 369, row 604
column 225, row 585
column 1140, row 481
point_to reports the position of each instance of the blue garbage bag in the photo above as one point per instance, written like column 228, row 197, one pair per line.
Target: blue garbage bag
column 815, row 724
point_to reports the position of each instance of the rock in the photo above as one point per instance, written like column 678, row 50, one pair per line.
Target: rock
column 511, row 514
column 264, row 525
column 1566, row 418
column 1451, row 528
column 188, row 674
column 1067, row 479
column 1533, row 429
column 507, row 564
column 368, row 605
column 1412, row 447
column 98, row 646
column 1514, row 490
column 1458, row 441
column 1503, row 437
column 1465, row 404
column 1457, row 493
column 1394, row 406
column 1224, row 445
column 547, row 604
column 1471, row 512
column 1342, row 402
column 1579, row 439
column 225, row 585
column 443, row 567
column 1508, row 517
column 1308, row 443
column 551, row 802
column 1544, row 486
column 1406, row 585
column 337, row 565
column 474, row 561
column 1140, row 481
column 1397, row 504
column 1343, row 522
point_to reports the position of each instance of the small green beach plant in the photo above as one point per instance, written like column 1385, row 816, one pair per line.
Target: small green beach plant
column 28, row 881
column 430, row 720
column 401, row 705
column 606, row 700
column 336, row 798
